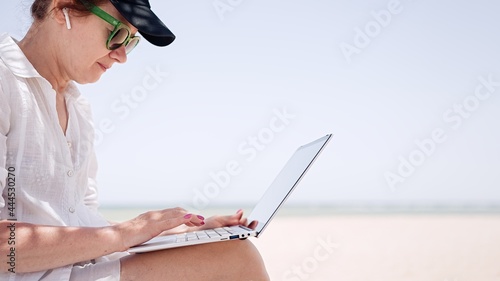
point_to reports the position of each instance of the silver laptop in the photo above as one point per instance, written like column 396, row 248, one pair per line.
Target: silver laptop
column 264, row 211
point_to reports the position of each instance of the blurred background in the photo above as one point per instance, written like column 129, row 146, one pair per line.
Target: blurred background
column 410, row 89
column 408, row 188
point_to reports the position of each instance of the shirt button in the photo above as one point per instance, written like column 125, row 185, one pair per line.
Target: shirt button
column 69, row 144
column 71, row 209
column 70, row 173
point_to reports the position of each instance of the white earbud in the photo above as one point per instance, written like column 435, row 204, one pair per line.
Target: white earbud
column 66, row 16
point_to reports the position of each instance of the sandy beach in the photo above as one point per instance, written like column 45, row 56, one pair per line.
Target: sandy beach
column 384, row 248
column 380, row 247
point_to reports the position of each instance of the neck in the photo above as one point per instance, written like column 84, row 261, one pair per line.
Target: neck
column 41, row 49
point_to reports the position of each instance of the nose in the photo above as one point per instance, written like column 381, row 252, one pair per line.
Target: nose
column 120, row 55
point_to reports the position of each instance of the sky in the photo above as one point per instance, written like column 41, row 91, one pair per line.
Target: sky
column 410, row 90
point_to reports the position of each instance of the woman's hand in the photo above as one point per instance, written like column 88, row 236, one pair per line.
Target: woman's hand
column 152, row 223
column 221, row 221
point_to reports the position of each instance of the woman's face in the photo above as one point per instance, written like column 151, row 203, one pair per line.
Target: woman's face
column 88, row 58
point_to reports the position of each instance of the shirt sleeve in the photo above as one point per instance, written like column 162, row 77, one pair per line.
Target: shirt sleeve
column 4, row 128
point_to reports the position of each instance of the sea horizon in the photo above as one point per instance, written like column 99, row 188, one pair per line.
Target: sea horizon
column 124, row 212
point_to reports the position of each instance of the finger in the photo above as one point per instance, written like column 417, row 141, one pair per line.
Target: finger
column 241, row 220
column 187, row 219
column 239, row 214
column 253, row 225
column 197, row 220
column 231, row 219
column 235, row 219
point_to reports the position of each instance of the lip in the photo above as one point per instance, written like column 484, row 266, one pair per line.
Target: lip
column 104, row 68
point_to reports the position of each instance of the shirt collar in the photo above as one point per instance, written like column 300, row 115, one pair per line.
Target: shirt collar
column 14, row 58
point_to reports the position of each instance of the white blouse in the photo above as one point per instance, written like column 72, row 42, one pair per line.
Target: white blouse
column 46, row 177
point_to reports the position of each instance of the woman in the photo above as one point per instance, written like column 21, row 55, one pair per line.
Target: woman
column 49, row 225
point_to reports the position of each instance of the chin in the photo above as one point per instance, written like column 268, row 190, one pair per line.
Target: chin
column 95, row 79
column 89, row 80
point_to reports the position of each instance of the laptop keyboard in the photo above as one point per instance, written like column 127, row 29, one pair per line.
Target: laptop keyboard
column 205, row 234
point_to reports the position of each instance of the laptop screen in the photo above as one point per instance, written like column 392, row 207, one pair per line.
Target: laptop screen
column 285, row 182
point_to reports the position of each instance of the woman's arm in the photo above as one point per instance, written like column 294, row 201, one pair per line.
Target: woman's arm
column 40, row 247
column 28, row 247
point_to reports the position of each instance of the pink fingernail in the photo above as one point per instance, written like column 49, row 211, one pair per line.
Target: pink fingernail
column 188, row 216
column 202, row 223
column 200, row 217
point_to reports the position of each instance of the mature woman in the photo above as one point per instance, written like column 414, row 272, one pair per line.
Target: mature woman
column 49, row 225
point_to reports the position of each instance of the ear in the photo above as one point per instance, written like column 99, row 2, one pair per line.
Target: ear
column 58, row 15
column 57, row 11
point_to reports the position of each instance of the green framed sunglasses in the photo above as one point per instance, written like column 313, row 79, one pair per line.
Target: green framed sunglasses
column 121, row 34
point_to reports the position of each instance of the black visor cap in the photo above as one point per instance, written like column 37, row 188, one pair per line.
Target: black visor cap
column 139, row 14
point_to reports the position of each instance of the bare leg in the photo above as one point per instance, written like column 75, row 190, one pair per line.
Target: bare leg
column 231, row 260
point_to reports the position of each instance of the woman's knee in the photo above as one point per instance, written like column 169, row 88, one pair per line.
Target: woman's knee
column 243, row 247
column 240, row 255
